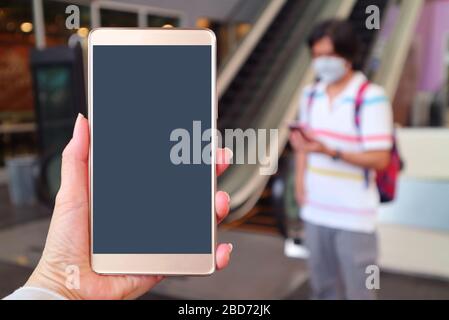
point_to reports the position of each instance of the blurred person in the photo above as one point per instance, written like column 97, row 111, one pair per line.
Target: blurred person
column 68, row 238
column 336, row 161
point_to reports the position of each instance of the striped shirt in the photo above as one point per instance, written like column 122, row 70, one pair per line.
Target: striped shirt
column 337, row 194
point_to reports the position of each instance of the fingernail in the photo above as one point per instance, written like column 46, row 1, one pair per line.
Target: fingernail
column 230, row 247
column 227, row 196
column 77, row 122
column 229, row 153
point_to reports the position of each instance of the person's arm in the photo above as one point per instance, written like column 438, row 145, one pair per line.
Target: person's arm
column 296, row 142
column 377, row 159
column 376, row 135
column 300, row 168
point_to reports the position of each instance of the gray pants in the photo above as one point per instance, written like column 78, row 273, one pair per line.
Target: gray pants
column 338, row 260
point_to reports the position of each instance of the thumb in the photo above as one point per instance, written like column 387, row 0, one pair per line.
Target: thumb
column 74, row 170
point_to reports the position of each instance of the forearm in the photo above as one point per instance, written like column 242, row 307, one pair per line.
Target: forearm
column 300, row 165
column 368, row 159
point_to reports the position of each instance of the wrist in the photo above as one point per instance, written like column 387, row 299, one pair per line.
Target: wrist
column 333, row 153
column 53, row 279
column 330, row 152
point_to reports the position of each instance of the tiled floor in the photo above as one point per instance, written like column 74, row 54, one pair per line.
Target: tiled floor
column 10, row 215
column 259, row 270
column 396, row 287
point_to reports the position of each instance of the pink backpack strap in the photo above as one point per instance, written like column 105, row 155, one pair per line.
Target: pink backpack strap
column 358, row 104
column 310, row 99
column 357, row 120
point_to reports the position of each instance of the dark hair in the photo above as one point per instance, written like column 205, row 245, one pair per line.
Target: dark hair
column 343, row 37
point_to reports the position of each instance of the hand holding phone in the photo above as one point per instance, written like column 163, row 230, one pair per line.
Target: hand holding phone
column 67, row 245
column 296, row 127
column 146, row 218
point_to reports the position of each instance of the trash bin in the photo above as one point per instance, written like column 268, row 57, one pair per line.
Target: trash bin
column 22, row 173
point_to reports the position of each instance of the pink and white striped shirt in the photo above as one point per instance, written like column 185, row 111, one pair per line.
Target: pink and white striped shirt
column 336, row 191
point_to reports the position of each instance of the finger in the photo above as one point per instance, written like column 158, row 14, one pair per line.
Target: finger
column 300, row 137
column 223, row 255
column 307, row 147
column 309, row 136
column 223, row 159
column 293, row 139
column 222, row 200
column 74, row 170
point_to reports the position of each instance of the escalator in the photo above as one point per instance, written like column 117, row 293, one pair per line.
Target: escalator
column 264, row 93
column 261, row 92
column 240, row 104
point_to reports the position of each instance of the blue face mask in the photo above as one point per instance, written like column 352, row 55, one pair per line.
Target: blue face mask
column 329, row 69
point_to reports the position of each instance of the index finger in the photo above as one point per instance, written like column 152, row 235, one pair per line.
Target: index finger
column 223, row 159
column 309, row 137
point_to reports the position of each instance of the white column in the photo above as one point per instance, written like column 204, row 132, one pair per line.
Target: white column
column 39, row 24
column 95, row 21
column 142, row 18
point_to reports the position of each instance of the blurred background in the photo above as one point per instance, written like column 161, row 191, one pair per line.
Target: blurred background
column 263, row 63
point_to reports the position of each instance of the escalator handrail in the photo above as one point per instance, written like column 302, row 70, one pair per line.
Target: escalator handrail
column 239, row 57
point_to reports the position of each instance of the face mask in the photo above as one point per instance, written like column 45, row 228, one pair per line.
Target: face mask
column 329, row 69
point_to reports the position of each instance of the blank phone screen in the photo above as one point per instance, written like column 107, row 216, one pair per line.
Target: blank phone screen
column 144, row 200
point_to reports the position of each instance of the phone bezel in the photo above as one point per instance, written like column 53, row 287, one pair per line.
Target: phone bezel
column 160, row 264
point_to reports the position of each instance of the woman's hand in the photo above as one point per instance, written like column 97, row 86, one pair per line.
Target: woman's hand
column 68, row 238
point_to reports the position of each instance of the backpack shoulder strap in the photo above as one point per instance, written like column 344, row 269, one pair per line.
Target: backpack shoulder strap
column 310, row 99
column 359, row 103
column 357, row 120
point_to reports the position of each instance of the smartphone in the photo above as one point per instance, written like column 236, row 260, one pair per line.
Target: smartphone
column 297, row 127
column 151, row 169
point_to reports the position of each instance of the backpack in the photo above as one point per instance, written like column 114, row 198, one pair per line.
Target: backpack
column 386, row 179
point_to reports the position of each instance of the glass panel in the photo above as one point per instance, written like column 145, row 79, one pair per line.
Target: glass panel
column 16, row 95
column 113, row 18
column 159, row 21
column 56, row 101
column 16, row 38
column 55, row 20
